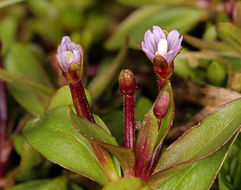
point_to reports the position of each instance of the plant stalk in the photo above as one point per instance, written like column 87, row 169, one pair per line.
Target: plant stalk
column 129, row 121
column 83, row 110
column 4, row 154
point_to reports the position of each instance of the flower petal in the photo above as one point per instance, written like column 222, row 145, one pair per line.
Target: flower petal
column 172, row 38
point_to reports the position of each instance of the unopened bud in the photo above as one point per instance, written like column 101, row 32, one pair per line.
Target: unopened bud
column 127, row 82
column 162, row 68
column 70, row 59
column 162, row 105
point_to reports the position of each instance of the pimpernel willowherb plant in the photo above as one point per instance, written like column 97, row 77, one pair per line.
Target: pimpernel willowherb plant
column 64, row 130
column 79, row 140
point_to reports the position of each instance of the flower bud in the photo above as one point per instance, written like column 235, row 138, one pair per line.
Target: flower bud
column 70, row 59
column 127, row 82
column 162, row 105
column 162, row 68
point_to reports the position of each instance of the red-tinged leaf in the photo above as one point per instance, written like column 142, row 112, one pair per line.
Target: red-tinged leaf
column 146, row 142
column 57, row 140
column 210, row 134
column 97, row 135
column 130, row 183
column 198, row 174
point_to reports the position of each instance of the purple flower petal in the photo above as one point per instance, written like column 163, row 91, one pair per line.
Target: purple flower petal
column 152, row 39
column 68, row 53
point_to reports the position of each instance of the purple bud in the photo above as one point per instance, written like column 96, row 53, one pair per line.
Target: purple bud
column 162, row 105
column 69, row 53
column 157, row 43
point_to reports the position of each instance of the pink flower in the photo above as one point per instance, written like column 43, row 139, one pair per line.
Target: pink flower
column 157, row 43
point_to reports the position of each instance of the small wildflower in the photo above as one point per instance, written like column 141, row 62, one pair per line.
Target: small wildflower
column 161, row 49
column 69, row 53
column 70, row 59
column 156, row 43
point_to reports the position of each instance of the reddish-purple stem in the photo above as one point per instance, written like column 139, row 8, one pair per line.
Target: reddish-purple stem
column 3, row 120
column 153, row 162
column 83, row 110
column 129, row 121
column 80, row 101
column 161, row 83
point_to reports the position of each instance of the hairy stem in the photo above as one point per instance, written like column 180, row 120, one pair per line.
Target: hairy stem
column 83, row 110
column 80, row 101
column 129, row 121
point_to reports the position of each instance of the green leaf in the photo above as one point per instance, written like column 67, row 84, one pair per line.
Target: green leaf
column 96, row 134
column 216, row 46
column 59, row 183
column 107, row 74
column 101, row 123
column 38, row 88
column 135, row 26
column 89, row 129
column 199, row 175
column 231, row 34
column 230, row 173
column 62, row 97
column 6, row 3
column 127, row 184
column 18, row 143
column 114, row 120
column 56, row 139
column 137, row 3
column 20, row 61
column 29, row 160
column 36, row 185
column 8, row 29
column 142, row 107
column 181, row 66
column 125, row 157
column 216, row 73
column 211, row 133
column 73, row 186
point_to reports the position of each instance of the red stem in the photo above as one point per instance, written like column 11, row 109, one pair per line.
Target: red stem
column 161, row 83
column 83, row 110
column 80, row 101
column 3, row 109
column 129, row 121
column 153, row 162
column 3, row 122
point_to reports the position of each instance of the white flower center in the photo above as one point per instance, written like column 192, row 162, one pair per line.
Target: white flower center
column 162, row 47
column 70, row 55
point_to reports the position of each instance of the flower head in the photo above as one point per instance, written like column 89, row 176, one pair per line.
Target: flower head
column 156, row 43
column 69, row 53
